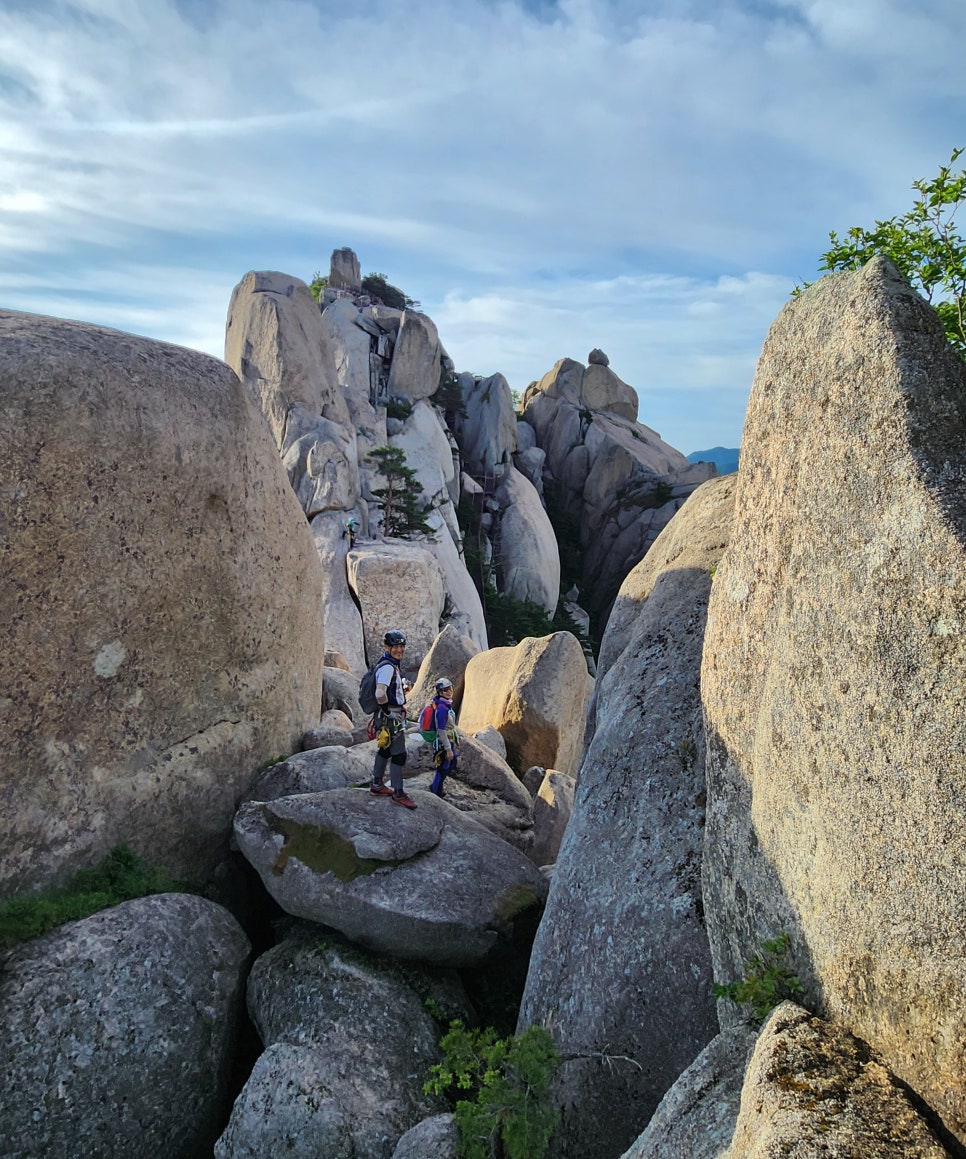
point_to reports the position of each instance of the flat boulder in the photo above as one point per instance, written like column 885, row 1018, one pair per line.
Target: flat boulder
column 118, row 1032
column 427, row 884
column 161, row 601
column 535, row 696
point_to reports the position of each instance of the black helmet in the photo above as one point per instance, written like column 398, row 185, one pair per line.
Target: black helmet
column 442, row 685
column 394, row 637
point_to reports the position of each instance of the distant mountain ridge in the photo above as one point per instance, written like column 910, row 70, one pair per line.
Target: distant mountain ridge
column 724, row 458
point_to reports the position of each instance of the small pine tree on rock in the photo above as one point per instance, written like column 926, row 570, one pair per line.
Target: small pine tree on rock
column 403, row 514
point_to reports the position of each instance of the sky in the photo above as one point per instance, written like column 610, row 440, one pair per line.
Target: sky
column 545, row 177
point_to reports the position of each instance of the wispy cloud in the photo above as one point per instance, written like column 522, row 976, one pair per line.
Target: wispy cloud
column 537, row 174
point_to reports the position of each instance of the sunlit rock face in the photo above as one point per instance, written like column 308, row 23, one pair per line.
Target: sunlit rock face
column 160, row 600
column 833, row 675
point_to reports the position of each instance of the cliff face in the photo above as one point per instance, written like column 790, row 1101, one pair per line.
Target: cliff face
column 617, row 481
column 833, row 675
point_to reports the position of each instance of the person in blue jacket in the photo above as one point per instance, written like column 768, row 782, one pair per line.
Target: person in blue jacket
column 447, row 738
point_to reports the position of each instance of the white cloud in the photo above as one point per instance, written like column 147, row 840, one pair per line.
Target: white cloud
column 491, row 157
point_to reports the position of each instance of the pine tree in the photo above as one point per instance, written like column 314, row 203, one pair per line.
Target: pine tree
column 403, row 515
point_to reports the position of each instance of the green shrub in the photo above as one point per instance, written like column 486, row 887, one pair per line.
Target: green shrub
column 398, row 408
column 500, row 1088
column 318, row 284
column 449, row 394
column 768, row 979
column 120, row 876
column 924, row 246
column 390, row 295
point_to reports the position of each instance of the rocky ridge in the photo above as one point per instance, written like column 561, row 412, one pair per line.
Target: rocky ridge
column 803, row 825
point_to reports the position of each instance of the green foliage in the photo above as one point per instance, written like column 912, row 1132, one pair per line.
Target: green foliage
column 120, row 876
column 506, row 1110
column 318, row 284
column 663, row 493
column 924, row 246
column 768, row 979
column 449, row 394
column 390, row 295
column 398, row 408
column 403, row 515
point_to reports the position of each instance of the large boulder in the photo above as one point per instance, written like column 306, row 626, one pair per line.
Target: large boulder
column 398, row 584
column 696, row 1118
column 630, row 860
column 535, row 696
column 448, row 656
column 813, row 1089
column 437, row 1136
column 834, row 664
column 322, row 468
column 527, row 545
column 118, row 1032
column 428, row 884
column 601, row 389
column 276, row 344
column 487, row 431
column 349, row 1043
column 416, row 358
column 161, row 601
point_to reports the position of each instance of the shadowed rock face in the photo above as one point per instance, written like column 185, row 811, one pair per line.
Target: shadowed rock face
column 118, row 1032
column 346, row 1034
column 833, row 677
column 160, row 600
column 621, row 964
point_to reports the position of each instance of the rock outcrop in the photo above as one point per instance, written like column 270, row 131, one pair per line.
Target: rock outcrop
column 348, row 1043
column 696, row 1118
column 534, row 695
column 161, row 601
column 118, row 1032
column 385, row 878
column 811, row 1088
column 630, row 862
column 834, row 664
column 487, row 431
column 614, row 480
column 526, row 546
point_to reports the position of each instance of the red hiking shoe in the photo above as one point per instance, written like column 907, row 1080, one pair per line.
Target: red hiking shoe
column 402, row 799
column 380, row 790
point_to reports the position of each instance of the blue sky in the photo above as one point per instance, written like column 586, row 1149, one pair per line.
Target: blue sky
column 650, row 178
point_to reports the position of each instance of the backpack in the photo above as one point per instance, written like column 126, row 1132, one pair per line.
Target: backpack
column 427, row 722
column 367, row 690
